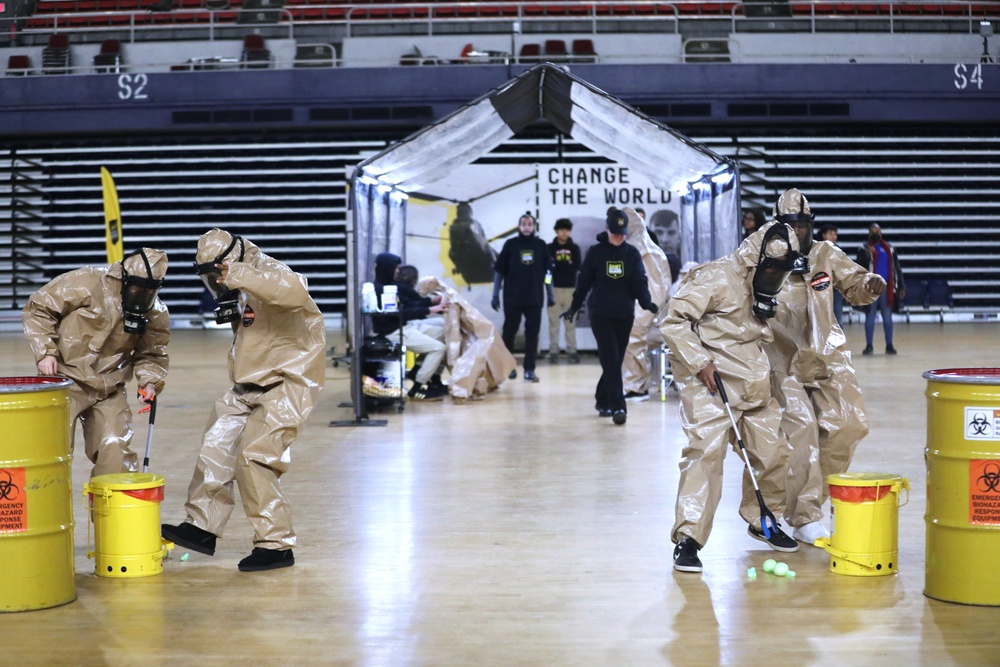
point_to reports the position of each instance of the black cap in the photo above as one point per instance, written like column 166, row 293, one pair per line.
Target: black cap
column 617, row 222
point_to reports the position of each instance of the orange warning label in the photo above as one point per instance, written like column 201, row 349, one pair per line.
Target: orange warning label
column 13, row 501
column 984, row 492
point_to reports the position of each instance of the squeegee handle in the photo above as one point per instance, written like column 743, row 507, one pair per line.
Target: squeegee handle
column 722, row 389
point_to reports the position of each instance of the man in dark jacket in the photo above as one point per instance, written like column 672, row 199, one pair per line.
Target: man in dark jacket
column 879, row 257
column 522, row 270
column 615, row 278
column 566, row 259
column 421, row 334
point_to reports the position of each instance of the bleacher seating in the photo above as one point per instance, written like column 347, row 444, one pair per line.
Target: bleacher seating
column 530, row 53
column 705, row 50
column 928, row 297
column 555, row 51
column 315, row 55
column 583, row 51
column 946, row 16
column 916, row 296
column 255, row 54
column 939, row 294
column 110, row 57
column 260, row 11
column 18, row 65
column 55, row 56
column 767, row 9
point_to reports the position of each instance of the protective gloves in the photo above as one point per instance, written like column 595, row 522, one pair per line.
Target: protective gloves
column 497, row 284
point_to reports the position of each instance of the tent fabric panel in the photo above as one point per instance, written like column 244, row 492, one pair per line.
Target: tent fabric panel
column 609, row 127
column 432, row 154
column 558, row 100
column 517, row 103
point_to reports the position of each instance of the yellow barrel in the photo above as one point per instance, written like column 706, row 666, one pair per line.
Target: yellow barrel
column 864, row 537
column 963, row 485
column 36, row 503
column 126, row 515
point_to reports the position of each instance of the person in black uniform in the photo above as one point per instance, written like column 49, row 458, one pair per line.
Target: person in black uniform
column 523, row 271
column 566, row 259
column 614, row 276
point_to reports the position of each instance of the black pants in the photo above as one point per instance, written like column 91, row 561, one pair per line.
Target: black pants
column 532, row 323
column 611, row 334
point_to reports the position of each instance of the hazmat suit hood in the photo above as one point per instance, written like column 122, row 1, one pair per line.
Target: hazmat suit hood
column 792, row 209
column 636, row 226
column 141, row 272
column 218, row 246
column 134, row 265
column 385, row 267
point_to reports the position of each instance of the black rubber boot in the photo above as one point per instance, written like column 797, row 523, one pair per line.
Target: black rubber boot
column 190, row 537
column 267, row 559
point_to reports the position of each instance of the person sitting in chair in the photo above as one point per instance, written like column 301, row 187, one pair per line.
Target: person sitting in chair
column 421, row 334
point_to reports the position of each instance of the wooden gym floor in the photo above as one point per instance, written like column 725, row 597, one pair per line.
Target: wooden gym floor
column 520, row 530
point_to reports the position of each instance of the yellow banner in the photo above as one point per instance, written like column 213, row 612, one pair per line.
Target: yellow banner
column 112, row 218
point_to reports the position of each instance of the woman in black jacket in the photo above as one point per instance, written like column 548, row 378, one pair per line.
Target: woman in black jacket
column 613, row 275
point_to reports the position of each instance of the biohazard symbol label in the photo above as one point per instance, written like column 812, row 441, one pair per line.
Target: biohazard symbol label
column 616, row 269
column 13, row 501
column 248, row 316
column 527, row 256
column 820, row 281
column 984, row 492
column 982, row 423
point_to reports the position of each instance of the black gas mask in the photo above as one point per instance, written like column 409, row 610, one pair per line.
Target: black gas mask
column 138, row 295
column 227, row 300
column 802, row 223
column 771, row 273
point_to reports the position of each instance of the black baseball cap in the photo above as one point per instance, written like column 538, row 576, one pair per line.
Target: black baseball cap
column 617, row 222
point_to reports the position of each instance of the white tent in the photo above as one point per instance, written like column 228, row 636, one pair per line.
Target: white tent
column 708, row 183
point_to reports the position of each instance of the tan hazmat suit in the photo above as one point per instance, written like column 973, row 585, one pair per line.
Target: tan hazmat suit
column 77, row 318
column 710, row 320
column 644, row 336
column 477, row 359
column 813, row 380
column 277, row 366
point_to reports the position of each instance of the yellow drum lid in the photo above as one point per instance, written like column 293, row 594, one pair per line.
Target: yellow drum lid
column 863, row 479
column 126, row 481
column 19, row 385
column 964, row 375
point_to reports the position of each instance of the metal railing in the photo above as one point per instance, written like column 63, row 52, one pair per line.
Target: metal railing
column 132, row 22
column 515, row 16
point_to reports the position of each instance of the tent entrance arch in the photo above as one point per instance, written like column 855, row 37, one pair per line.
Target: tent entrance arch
column 707, row 183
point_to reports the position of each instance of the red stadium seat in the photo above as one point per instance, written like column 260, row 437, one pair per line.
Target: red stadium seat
column 530, row 53
column 18, row 65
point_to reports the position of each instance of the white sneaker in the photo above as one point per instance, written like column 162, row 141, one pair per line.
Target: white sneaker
column 636, row 397
column 810, row 532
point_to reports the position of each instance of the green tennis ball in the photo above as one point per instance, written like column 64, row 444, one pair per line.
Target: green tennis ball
column 769, row 565
column 780, row 570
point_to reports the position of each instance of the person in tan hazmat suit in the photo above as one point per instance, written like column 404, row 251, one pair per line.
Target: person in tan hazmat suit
column 637, row 365
column 101, row 327
column 718, row 321
column 277, row 366
column 812, row 377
